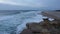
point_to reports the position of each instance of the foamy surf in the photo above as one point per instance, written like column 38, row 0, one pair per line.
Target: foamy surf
column 14, row 24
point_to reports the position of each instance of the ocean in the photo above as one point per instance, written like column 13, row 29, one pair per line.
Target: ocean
column 15, row 21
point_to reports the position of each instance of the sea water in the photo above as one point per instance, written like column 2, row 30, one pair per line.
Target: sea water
column 15, row 23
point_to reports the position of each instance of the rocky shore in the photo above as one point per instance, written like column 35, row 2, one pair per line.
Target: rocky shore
column 46, row 26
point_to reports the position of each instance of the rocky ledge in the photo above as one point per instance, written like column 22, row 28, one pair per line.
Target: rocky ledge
column 44, row 27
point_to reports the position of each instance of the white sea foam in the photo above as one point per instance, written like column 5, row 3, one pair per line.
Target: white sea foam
column 16, row 23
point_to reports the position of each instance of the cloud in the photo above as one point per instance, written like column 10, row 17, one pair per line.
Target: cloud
column 32, row 3
column 8, row 2
column 29, row 3
column 49, row 4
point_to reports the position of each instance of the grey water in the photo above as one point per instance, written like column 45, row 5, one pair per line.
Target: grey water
column 13, row 22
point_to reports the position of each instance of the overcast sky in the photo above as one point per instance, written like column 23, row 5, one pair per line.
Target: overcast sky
column 55, row 4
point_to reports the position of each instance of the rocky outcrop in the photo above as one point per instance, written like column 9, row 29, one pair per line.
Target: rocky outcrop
column 47, row 27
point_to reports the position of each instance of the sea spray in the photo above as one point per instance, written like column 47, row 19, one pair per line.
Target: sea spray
column 15, row 23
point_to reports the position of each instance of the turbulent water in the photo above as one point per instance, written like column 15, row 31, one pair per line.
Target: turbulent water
column 15, row 23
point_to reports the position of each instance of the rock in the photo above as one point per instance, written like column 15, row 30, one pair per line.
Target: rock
column 34, row 27
column 26, row 31
column 45, row 31
column 29, row 25
column 43, row 27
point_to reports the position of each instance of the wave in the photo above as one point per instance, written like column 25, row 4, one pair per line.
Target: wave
column 6, row 12
column 16, row 23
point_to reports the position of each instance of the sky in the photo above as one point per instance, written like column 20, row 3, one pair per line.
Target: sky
column 46, row 4
column 30, row 3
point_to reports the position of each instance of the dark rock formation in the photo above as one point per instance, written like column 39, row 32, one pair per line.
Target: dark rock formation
column 26, row 31
column 47, row 27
